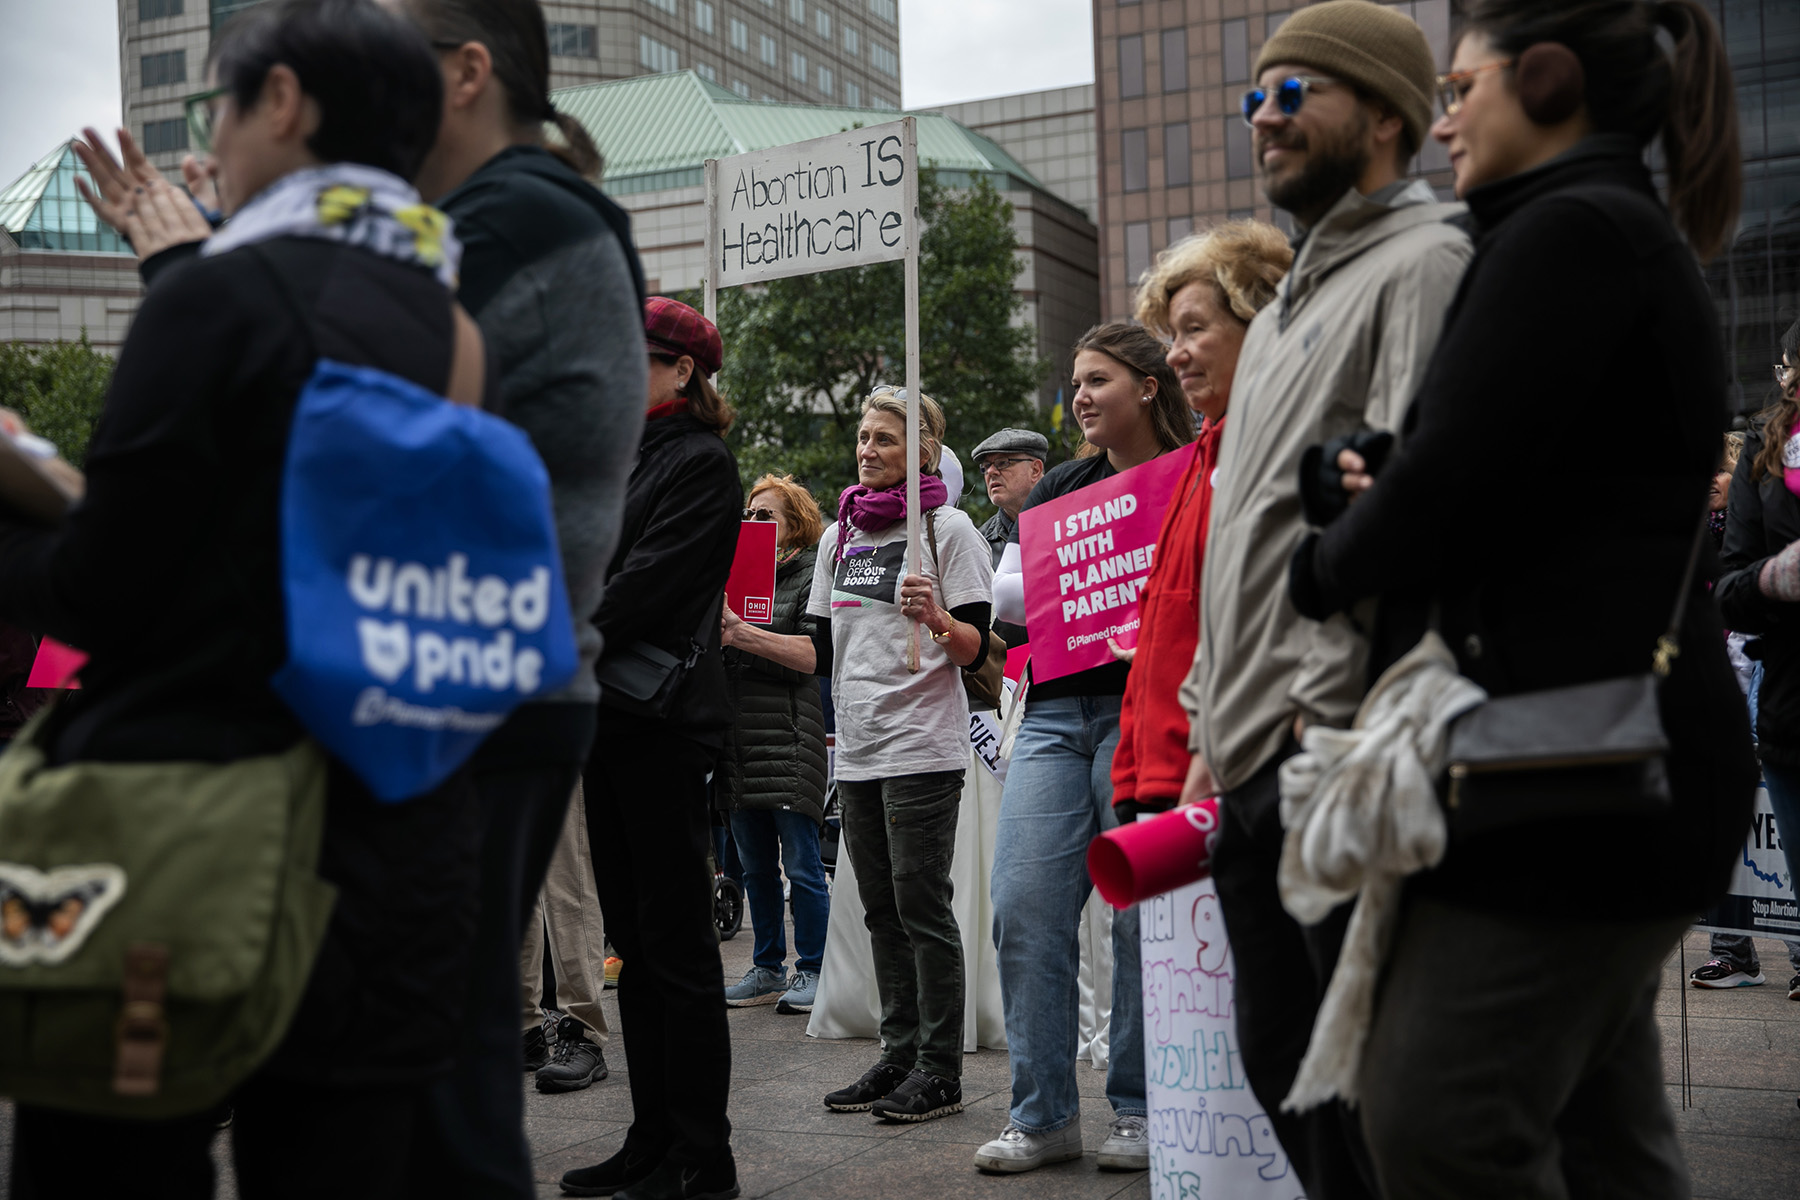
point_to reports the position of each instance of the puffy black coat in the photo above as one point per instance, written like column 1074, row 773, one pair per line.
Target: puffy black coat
column 1760, row 521
column 776, row 747
column 1577, row 268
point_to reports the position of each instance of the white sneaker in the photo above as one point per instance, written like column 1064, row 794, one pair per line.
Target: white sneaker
column 1015, row 1150
column 1127, row 1146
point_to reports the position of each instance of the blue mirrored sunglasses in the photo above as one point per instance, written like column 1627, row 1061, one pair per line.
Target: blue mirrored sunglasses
column 1290, row 94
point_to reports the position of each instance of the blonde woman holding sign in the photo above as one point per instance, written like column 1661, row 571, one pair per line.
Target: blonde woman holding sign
column 902, row 740
column 1059, row 797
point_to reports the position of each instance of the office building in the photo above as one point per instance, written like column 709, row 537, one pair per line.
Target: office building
column 1174, row 151
column 62, row 273
column 1756, row 282
column 842, row 52
column 657, row 133
column 1050, row 133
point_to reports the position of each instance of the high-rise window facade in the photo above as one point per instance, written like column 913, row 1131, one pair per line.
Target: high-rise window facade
column 1756, row 281
column 1175, row 155
column 161, row 70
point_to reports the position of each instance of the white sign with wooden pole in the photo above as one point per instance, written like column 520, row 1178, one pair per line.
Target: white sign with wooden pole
column 846, row 200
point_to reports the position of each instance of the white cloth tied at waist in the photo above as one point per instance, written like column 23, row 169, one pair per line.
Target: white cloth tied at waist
column 1361, row 812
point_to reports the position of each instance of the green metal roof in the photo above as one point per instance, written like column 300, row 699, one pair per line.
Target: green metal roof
column 43, row 211
column 656, row 131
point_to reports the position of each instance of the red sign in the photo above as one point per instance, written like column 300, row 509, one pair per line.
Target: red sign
column 1086, row 556
column 751, row 589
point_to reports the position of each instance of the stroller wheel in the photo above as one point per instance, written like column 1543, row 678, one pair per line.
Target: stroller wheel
column 728, row 906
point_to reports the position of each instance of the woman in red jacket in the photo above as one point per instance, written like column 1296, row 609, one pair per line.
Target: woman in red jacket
column 1202, row 293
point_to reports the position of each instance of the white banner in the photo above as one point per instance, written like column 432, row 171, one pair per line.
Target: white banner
column 1762, row 899
column 1208, row 1135
column 836, row 201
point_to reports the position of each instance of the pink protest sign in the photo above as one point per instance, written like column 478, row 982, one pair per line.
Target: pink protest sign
column 55, row 666
column 1086, row 556
column 750, row 590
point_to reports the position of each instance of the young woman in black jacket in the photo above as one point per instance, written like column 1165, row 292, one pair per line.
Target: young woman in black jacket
column 645, row 781
column 1760, row 594
column 772, row 780
column 168, row 574
column 1488, row 1072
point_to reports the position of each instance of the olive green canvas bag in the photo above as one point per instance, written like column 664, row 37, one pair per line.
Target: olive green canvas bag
column 158, row 922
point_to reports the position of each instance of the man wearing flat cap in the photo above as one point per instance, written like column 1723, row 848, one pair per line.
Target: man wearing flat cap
column 1010, row 463
column 1341, row 103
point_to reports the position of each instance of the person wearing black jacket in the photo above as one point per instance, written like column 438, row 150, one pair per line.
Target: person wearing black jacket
column 1762, row 527
column 168, row 573
column 645, row 780
column 550, row 274
column 772, row 777
column 1485, row 1072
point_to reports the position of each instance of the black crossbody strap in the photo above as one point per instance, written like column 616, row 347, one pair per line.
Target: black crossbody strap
column 1668, row 646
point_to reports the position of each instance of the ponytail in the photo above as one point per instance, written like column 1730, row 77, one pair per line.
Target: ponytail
column 577, row 149
column 1634, row 86
column 518, row 44
column 1700, row 137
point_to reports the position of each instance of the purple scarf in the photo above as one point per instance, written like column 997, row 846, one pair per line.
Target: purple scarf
column 873, row 511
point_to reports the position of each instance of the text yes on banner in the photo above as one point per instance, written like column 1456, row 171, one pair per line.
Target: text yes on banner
column 1086, row 557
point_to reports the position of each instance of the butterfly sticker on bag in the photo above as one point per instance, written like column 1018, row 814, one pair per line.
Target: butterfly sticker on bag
column 45, row 916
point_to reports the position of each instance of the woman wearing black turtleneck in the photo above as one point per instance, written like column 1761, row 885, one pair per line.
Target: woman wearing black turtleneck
column 1492, row 1068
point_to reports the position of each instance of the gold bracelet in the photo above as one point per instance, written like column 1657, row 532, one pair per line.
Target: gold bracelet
column 943, row 639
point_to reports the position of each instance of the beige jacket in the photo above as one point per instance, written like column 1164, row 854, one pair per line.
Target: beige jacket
column 1342, row 347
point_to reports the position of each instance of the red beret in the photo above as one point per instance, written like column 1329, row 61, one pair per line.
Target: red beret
column 671, row 327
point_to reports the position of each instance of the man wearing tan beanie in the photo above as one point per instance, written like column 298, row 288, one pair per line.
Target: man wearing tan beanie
column 1342, row 103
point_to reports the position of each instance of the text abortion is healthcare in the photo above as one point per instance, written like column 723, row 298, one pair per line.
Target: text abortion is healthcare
column 837, row 201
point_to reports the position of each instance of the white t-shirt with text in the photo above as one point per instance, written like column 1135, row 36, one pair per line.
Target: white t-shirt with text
column 890, row 721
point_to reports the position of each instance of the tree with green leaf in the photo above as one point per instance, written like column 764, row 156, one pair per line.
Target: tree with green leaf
column 802, row 352
column 58, row 388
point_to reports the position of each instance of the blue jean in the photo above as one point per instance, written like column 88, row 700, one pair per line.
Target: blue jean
column 1058, row 798
column 770, row 842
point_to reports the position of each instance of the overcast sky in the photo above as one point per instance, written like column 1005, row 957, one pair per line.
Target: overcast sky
column 59, row 61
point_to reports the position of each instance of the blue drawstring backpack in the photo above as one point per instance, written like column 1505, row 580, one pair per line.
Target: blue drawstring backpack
column 424, row 587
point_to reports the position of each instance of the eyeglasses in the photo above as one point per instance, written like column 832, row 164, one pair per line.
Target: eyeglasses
column 759, row 514
column 1453, row 88
column 994, row 466
column 1289, row 94
column 200, row 118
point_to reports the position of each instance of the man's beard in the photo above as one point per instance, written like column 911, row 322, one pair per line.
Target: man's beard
column 1332, row 168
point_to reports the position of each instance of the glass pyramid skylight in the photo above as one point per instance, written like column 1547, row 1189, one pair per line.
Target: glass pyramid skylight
column 43, row 211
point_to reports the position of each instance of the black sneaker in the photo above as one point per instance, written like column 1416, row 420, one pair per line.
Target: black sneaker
column 1718, row 973
column 537, row 1049
column 684, row 1181
column 920, row 1097
column 576, row 1063
column 1794, row 988
column 603, row 1179
column 861, row 1096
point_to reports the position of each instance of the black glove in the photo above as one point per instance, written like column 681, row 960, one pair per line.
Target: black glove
column 1128, row 811
column 1322, row 495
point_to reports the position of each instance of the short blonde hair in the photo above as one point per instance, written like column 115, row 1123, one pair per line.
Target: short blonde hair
column 1734, row 446
column 891, row 400
column 806, row 524
column 1243, row 260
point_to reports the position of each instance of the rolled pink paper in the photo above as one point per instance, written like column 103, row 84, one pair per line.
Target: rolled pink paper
column 1135, row 862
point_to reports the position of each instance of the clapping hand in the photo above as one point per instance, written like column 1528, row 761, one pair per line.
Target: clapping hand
column 133, row 197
